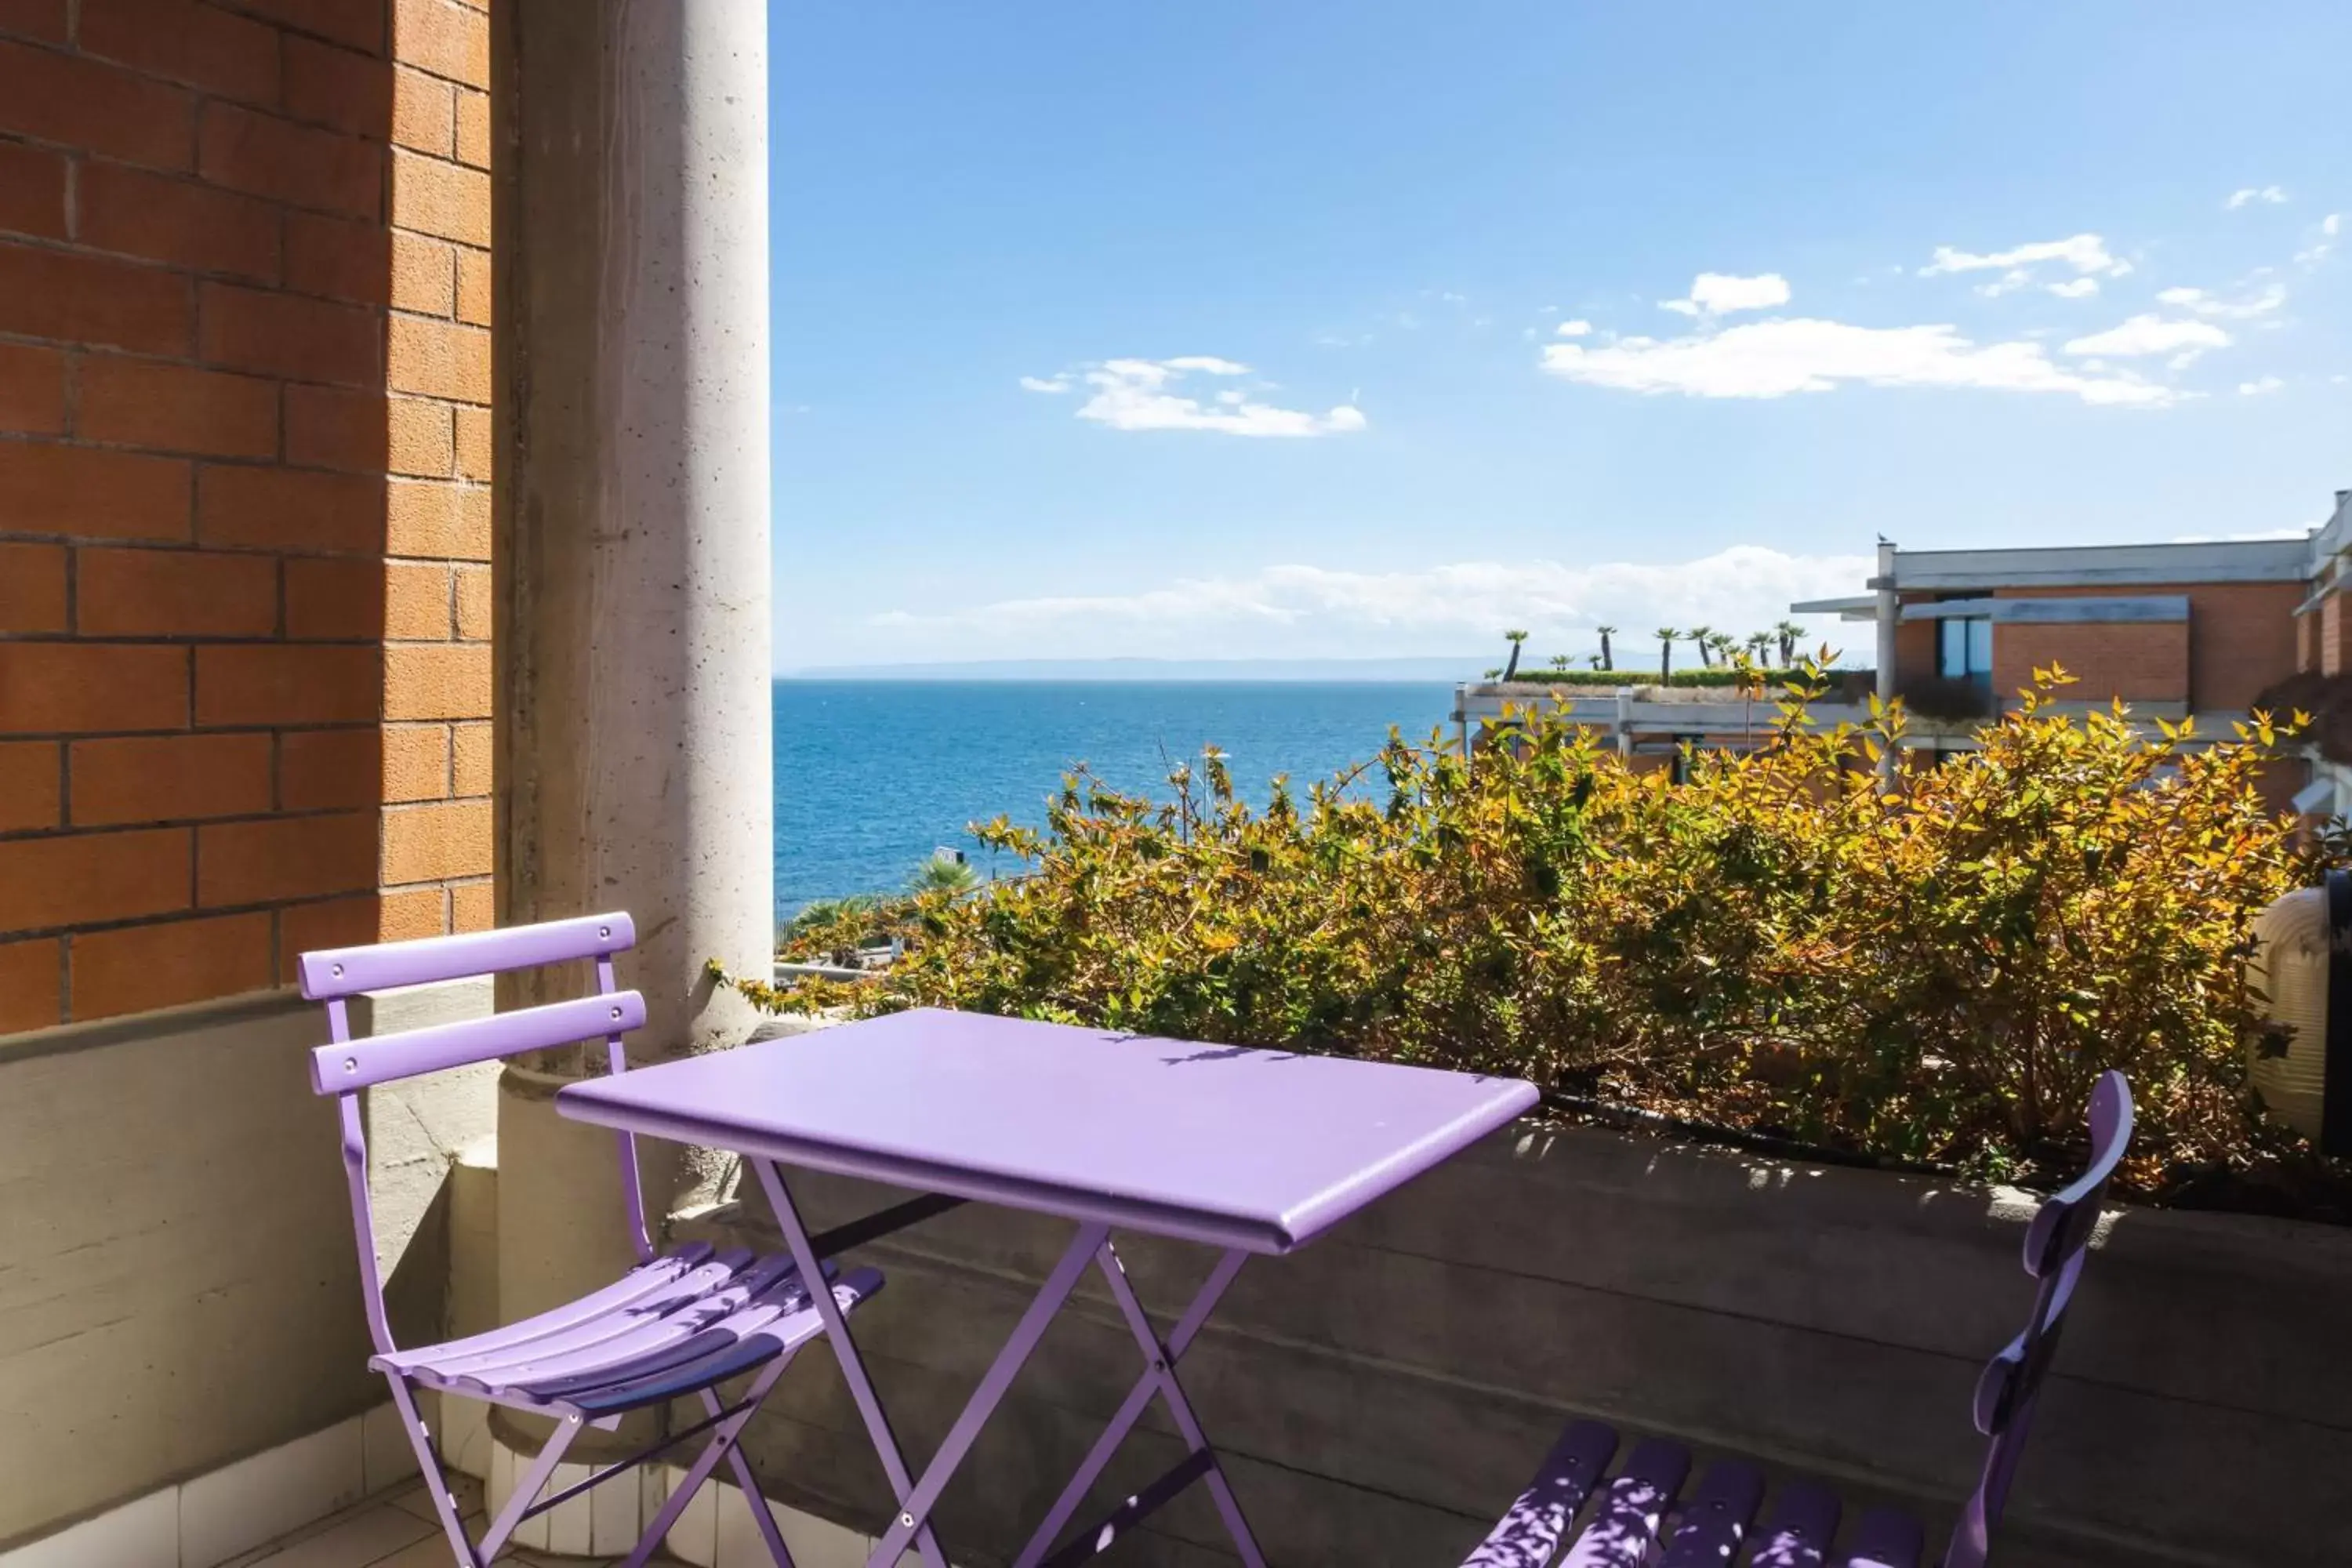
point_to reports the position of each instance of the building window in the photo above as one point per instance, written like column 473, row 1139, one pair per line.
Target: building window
column 1964, row 648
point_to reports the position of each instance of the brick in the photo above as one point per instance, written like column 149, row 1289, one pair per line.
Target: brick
column 329, row 427
column 32, row 191
column 284, row 857
column 263, row 155
column 416, row 763
column 448, row 40
column 183, row 41
column 434, row 359
column 32, row 389
column 30, row 796
column 424, row 113
column 32, row 588
column 52, row 689
column 288, row 509
column 423, row 274
column 173, row 593
column 315, row 683
column 442, row 680
column 81, row 879
column 444, row 199
column 354, row 921
column 338, row 89
column 175, row 408
column 434, row 843
column 92, row 494
column 469, row 760
column 178, row 221
column 90, row 300
column 343, row 258
column 30, row 997
column 473, row 287
column 358, row 23
column 474, row 128
column 473, row 906
column 287, row 335
column 449, row 521
column 149, row 966
column 169, row 778
column 474, row 603
column 420, row 438
column 416, row 601
column 474, row 460
column 87, row 494
column 95, row 107
column 44, row 19
column 334, row 599
column 319, row 770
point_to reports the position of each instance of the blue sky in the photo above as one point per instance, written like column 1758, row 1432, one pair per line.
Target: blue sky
column 1235, row 328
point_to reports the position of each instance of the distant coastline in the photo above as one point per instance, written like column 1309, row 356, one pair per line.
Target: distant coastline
column 1447, row 670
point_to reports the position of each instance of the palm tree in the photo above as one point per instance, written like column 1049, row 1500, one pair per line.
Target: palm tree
column 1607, row 660
column 1787, row 632
column 941, row 875
column 1559, row 661
column 1518, row 640
column 1698, row 637
column 1667, row 637
column 1756, row 643
column 1722, row 643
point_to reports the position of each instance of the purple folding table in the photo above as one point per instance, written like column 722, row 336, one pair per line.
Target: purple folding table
column 1245, row 1151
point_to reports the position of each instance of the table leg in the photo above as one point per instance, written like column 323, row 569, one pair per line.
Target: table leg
column 853, row 1366
column 1159, row 1378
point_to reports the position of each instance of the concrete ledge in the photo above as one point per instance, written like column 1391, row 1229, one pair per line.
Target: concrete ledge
column 1382, row 1393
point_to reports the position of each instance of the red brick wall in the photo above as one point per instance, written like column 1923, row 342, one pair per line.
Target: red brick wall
column 244, row 521
column 2139, row 661
column 2241, row 638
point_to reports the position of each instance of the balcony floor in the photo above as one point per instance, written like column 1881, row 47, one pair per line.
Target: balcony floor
column 394, row 1530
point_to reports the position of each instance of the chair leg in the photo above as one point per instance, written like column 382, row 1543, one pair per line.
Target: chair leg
column 445, row 1502
column 741, row 1463
column 723, row 1438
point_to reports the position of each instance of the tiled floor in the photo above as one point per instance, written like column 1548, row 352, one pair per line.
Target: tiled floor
column 397, row 1530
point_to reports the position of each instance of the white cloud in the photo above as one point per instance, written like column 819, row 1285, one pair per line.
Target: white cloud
column 1139, row 394
column 2087, row 254
column 1578, row 329
column 2151, row 334
column 2261, row 388
column 2205, row 304
column 1719, row 293
column 2270, row 196
column 1775, row 358
column 2075, row 289
column 1314, row 611
column 2329, row 228
column 1046, row 384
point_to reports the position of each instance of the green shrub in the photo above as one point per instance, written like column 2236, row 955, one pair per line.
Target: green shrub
column 1931, row 968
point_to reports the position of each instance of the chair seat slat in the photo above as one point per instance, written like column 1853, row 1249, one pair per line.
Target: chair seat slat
column 725, row 1357
column 356, row 1064
column 1531, row 1531
column 558, row 1340
column 1885, row 1538
column 645, row 1279
column 1624, row 1527
column 1802, row 1524
column 632, row 1331
column 1716, row 1520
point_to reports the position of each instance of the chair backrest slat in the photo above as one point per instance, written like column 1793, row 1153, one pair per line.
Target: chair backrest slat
column 348, row 970
column 339, row 1068
column 2057, row 1243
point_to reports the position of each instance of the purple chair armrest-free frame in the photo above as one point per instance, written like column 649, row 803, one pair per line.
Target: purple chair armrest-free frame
column 1636, row 1521
column 677, row 1324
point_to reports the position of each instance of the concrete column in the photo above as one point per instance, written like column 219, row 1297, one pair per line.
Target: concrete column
column 632, row 558
column 1890, row 616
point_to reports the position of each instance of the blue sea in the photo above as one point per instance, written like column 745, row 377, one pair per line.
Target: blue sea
column 873, row 775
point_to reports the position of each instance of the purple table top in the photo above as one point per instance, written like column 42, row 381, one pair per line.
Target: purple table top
column 1255, row 1149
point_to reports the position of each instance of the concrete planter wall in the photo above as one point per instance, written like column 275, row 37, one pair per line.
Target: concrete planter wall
column 1382, row 1394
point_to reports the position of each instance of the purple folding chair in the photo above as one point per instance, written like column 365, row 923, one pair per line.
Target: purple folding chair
column 679, row 1323
column 1636, row 1517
